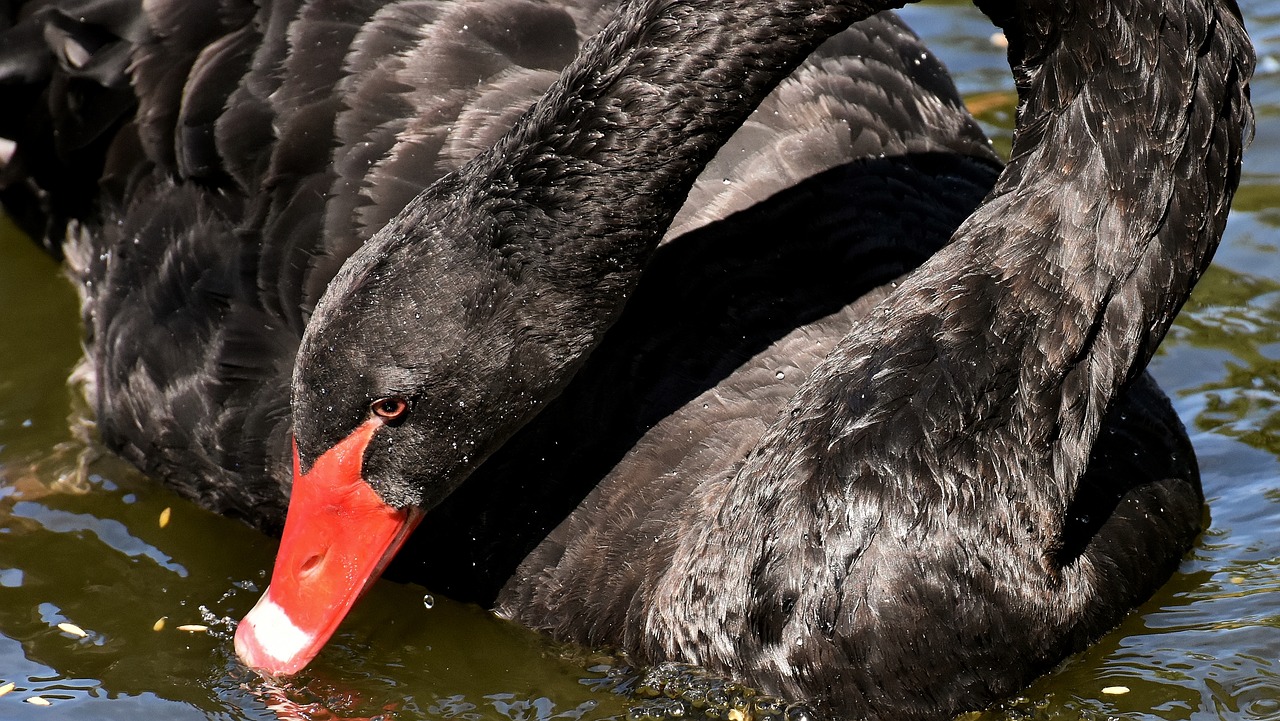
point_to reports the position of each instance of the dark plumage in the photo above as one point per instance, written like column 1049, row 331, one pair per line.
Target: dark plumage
column 900, row 502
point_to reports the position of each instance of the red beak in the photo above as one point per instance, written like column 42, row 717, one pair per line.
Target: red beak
column 338, row 537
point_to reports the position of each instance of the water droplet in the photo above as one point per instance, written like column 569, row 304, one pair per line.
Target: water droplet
column 428, row 601
column 780, row 375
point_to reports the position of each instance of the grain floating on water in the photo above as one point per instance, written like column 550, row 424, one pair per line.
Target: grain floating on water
column 164, row 516
column 159, row 624
column 72, row 629
column 37, row 701
column 193, row 628
column 6, row 688
column 1116, row 690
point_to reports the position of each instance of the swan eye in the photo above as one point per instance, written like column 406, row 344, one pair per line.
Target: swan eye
column 391, row 408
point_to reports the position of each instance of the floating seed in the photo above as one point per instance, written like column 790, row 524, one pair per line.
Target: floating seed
column 164, row 516
column 159, row 624
column 37, row 701
column 1116, row 690
column 72, row 629
column 193, row 628
column 6, row 688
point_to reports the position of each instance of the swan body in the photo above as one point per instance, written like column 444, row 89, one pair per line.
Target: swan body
column 904, row 502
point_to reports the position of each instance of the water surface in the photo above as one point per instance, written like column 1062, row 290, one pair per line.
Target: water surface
column 81, row 540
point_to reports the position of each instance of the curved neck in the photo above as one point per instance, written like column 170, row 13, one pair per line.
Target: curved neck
column 1057, row 291
column 1126, row 156
column 607, row 156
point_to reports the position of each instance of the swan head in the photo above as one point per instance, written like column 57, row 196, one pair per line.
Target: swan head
column 423, row 357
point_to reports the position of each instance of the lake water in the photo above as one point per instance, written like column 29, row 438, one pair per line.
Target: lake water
column 82, row 543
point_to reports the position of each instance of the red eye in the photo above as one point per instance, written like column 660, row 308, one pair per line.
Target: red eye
column 391, row 408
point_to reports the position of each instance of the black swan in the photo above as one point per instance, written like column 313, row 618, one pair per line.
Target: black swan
column 939, row 515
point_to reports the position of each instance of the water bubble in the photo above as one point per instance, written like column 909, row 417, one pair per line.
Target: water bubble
column 428, row 601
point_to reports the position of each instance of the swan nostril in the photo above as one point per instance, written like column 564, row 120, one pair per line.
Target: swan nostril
column 312, row 563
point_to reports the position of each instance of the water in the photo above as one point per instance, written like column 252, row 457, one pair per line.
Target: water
column 81, row 540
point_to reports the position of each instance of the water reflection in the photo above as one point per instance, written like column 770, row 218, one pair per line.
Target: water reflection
column 80, row 540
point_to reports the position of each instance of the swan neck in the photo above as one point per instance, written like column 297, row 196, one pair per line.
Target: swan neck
column 1131, row 124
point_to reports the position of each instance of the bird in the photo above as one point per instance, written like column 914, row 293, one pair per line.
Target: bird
column 975, row 481
column 180, row 158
